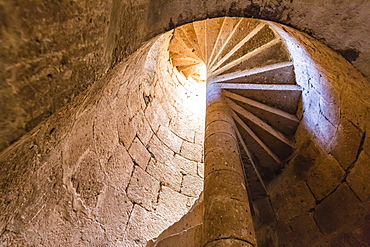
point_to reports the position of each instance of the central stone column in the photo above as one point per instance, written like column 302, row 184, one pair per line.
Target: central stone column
column 227, row 216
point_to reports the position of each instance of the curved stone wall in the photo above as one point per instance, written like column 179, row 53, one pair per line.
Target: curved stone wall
column 321, row 196
column 123, row 161
column 52, row 51
column 115, row 167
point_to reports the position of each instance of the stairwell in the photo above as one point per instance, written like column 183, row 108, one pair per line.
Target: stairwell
column 248, row 68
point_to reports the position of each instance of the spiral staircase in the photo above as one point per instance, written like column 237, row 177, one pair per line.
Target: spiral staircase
column 248, row 61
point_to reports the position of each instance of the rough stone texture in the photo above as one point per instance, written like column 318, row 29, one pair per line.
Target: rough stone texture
column 50, row 52
column 290, row 199
column 192, row 151
column 53, row 51
column 79, row 178
column 143, row 189
column 227, row 213
column 55, row 181
column 169, row 139
column 189, row 238
column 325, row 176
column 359, row 177
column 193, row 218
column 172, row 204
column 346, row 144
column 139, row 153
column 335, row 28
column 340, row 210
column 301, row 229
column 191, row 185
column 166, row 173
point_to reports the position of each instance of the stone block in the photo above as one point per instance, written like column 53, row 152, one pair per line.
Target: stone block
column 193, row 218
column 143, row 130
column 169, row 138
column 291, row 199
column 223, row 159
column 113, row 211
column 346, row 143
column 339, row 211
column 325, row 176
column 199, row 137
column 299, row 231
column 359, row 177
column 192, row 151
column 219, row 126
column 143, row 226
column 119, row 168
column 81, row 137
column 160, row 151
column 354, row 109
column 186, row 166
column 324, row 131
column 143, row 189
column 220, row 140
column 201, row 169
column 139, row 153
column 156, row 115
column 166, row 173
column 105, row 132
column 191, row 185
column 172, row 205
column 126, row 129
column 88, row 179
column 177, row 127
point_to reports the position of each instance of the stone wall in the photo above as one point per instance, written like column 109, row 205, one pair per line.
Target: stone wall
column 343, row 26
column 50, row 51
column 321, row 197
column 114, row 167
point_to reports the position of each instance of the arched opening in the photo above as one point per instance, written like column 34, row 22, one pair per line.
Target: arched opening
column 90, row 181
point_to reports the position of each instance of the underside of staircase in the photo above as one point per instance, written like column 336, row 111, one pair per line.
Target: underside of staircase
column 249, row 63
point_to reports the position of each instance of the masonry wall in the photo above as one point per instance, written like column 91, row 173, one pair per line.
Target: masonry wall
column 321, row 198
column 50, row 51
column 114, row 167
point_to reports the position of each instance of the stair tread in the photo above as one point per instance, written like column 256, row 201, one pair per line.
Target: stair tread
column 282, row 121
column 264, row 154
column 235, row 43
column 240, row 110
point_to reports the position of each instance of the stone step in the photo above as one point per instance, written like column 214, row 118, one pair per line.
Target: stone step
column 276, row 141
column 283, row 97
column 238, row 40
column 232, row 61
column 213, row 27
column 274, row 54
column 178, row 46
column 280, row 73
column 260, row 36
column 191, row 40
column 189, row 70
column 191, row 56
column 282, row 121
column 229, row 28
column 264, row 156
column 200, row 31
column 184, row 62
